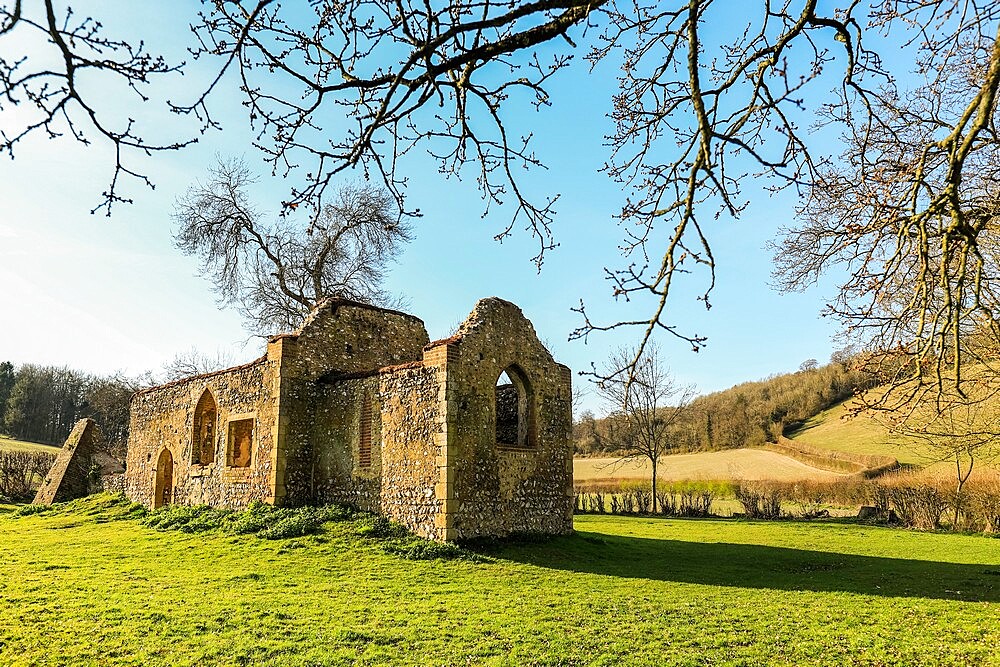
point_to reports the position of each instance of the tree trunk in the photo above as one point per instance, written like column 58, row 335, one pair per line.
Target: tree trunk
column 962, row 479
column 654, row 461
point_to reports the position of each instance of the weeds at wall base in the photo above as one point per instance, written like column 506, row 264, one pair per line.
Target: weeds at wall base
column 261, row 520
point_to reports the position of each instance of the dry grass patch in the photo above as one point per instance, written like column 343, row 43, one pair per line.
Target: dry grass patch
column 750, row 464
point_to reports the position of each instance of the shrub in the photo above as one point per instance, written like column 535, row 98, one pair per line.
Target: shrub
column 666, row 503
column 22, row 472
column 427, row 550
column 984, row 503
column 917, row 506
column 255, row 518
column 186, row 518
column 696, row 498
column 760, row 500
column 28, row 510
column 591, row 502
column 336, row 513
column 378, row 527
column 296, row 523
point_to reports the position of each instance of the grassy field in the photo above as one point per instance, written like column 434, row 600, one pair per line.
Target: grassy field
column 833, row 429
column 81, row 588
column 22, row 446
column 749, row 464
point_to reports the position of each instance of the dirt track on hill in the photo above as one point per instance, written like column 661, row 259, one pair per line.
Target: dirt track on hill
column 750, row 464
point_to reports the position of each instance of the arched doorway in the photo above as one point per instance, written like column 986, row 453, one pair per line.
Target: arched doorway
column 163, row 491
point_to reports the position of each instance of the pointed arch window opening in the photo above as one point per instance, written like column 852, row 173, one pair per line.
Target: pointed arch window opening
column 513, row 403
column 204, row 437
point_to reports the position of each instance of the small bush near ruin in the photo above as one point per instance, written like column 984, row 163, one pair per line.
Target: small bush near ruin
column 21, row 473
column 260, row 519
column 280, row 523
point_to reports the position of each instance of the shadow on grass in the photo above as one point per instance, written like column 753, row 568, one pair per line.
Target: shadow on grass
column 759, row 566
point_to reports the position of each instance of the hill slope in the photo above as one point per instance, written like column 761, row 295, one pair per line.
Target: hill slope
column 834, row 429
column 12, row 445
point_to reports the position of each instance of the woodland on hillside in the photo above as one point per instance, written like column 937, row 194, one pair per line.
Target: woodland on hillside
column 747, row 415
column 42, row 403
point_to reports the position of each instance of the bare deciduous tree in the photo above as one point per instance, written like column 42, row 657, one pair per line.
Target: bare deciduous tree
column 194, row 362
column 646, row 405
column 910, row 211
column 275, row 273
column 700, row 112
column 957, row 428
column 55, row 90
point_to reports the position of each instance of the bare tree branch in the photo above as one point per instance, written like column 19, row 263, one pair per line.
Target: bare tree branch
column 276, row 273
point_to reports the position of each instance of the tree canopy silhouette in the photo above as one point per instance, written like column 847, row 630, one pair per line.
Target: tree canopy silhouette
column 699, row 113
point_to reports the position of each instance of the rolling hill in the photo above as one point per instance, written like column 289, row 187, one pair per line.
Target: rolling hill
column 835, row 429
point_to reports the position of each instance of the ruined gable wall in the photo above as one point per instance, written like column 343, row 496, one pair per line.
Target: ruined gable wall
column 164, row 417
column 405, row 418
column 70, row 475
column 337, row 339
column 501, row 490
column 344, row 337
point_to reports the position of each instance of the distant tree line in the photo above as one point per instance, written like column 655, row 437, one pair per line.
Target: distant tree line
column 42, row 403
column 746, row 415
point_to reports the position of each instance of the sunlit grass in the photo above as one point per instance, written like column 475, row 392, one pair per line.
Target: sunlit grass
column 835, row 429
column 11, row 444
column 80, row 587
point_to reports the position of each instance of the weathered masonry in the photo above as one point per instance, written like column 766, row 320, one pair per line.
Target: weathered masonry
column 457, row 438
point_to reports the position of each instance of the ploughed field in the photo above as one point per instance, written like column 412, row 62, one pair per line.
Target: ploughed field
column 745, row 464
column 90, row 585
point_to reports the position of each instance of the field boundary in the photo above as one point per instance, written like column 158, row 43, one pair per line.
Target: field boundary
column 863, row 465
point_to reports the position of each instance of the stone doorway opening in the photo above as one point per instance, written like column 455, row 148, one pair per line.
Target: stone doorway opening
column 164, row 489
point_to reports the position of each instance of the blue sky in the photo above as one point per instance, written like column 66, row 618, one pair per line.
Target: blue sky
column 104, row 294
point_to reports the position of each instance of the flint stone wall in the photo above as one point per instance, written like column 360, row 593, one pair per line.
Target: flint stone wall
column 163, row 418
column 504, row 490
column 337, row 341
column 69, row 477
column 429, row 414
column 406, row 417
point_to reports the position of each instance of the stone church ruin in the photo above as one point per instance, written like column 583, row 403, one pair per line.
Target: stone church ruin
column 458, row 438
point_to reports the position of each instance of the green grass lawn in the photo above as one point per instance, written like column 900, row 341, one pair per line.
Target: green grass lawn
column 24, row 446
column 79, row 587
